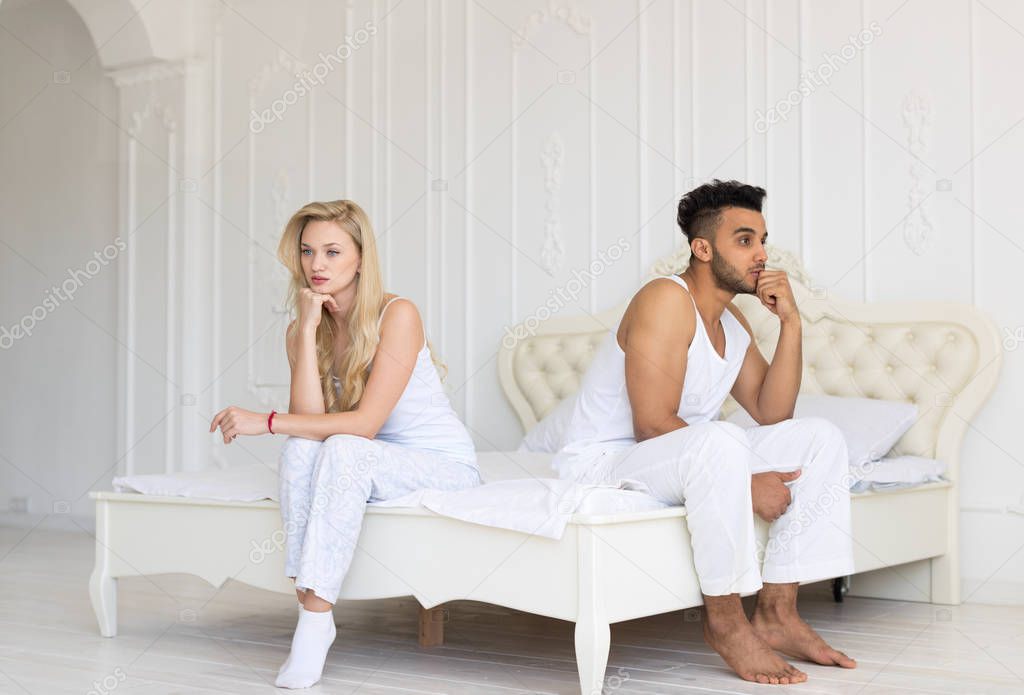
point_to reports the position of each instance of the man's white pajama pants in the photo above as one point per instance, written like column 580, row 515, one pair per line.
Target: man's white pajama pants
column 708, row 467
column 324, row 490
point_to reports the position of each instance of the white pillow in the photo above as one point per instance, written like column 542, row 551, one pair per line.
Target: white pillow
column 549, row 434
column 900, row 471
column 870, row 426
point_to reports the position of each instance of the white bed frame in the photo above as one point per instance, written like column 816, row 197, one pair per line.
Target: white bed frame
column 609, row 568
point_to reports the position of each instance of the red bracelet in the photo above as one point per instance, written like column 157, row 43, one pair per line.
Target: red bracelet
column 270, row 421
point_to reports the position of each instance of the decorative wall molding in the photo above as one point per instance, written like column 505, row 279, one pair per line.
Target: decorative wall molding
column 592, row 164
column 467, row 217
column 641, row 139
column 553, row 246
column 151, row 72
column 135, row 121
column 270, row 394
column 126, row 304
column 556, row 11
column 216, row 257
column 283, row 208
column 153, row 107
column 280, row 195
column 865, row 139
column 553, row 250
column 172, row 431
column 918, row 117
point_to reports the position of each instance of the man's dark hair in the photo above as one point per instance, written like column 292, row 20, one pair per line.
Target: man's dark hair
column 700, row 210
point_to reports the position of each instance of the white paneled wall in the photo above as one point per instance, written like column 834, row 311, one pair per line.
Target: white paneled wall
column 501, row 147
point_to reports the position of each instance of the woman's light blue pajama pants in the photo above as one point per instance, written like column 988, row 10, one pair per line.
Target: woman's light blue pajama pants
column 324, row 490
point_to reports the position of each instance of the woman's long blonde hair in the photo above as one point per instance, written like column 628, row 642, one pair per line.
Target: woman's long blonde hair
column 365, row 314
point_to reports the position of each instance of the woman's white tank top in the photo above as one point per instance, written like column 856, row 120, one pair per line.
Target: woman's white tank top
column 602, row 418
column 423, row 417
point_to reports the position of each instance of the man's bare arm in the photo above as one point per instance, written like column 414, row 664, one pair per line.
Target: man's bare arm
column 769, row 404
column 777, row 399
column 661, row 325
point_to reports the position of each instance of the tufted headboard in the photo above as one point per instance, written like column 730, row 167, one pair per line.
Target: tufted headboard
column 944, row 357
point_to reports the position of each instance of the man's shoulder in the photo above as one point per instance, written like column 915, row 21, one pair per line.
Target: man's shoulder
column 661, row 306
column 662, row 290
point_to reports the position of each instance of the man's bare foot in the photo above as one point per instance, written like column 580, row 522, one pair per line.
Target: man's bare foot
column 785, row 631
column 748, row 655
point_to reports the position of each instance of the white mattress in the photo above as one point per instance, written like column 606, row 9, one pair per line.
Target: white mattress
column 520, row 491
column 253, row 482
column 887, row 473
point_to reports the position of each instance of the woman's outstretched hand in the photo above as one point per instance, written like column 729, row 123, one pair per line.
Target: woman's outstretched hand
column 311, row 306
column 234, row 421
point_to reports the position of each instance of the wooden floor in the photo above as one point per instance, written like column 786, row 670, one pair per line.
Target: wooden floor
column 179, row 635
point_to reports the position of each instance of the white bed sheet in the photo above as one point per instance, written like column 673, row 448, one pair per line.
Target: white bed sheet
column 520, row 493
column 520, row 490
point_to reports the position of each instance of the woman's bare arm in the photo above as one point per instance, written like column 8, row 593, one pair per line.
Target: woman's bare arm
column 393, row 364
column 307, row 397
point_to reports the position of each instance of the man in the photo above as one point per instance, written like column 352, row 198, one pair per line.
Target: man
column 646, row 412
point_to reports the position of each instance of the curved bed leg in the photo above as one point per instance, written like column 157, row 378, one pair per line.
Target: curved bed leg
column 593, row 634
column 102, row 586
column 103, row 595
column 592, row 642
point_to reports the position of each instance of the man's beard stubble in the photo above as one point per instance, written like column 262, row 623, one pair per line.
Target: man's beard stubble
column 726, row 277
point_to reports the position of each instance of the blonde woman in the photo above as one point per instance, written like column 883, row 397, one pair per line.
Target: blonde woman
column 368, row 418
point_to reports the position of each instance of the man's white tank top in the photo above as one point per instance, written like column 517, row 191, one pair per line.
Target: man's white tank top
column 602, row 418
column 423, row 417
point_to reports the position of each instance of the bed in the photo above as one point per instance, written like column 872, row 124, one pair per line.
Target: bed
column 610, row 567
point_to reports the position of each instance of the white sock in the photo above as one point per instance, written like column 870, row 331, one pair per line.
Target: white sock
column 284, row 667
column 314, row 635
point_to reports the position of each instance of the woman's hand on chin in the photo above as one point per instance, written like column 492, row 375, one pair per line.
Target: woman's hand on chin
column 311, row 306
column 234, row 421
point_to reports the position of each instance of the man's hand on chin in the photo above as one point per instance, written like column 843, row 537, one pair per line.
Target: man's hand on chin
column 776, row 294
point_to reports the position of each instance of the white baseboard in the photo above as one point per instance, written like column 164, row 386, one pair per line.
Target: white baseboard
column 999, row 593
column 75, row 523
